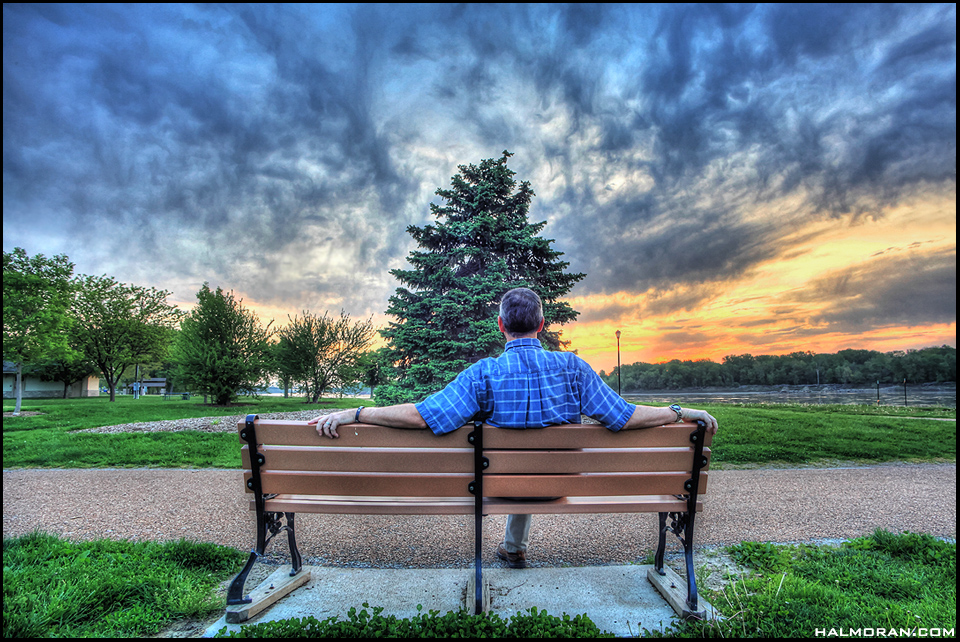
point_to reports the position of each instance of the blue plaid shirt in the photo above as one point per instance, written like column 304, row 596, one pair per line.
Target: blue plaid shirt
column 525, row 387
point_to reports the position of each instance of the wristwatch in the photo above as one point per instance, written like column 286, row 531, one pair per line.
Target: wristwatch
column 677, row 409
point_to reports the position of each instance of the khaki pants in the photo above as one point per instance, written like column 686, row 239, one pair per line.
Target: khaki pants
column 517, row 534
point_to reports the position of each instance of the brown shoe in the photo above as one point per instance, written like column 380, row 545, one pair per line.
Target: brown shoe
column 514, row 560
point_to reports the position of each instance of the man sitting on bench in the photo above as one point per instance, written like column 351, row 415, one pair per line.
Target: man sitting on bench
column 525, row 387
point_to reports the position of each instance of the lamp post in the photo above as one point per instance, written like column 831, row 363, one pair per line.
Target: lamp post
column 618, row 363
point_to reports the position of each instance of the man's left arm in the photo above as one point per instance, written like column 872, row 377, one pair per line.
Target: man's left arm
column 611, row 408
column 650, row 416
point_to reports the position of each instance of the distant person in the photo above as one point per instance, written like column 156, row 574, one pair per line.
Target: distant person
column 525, row 387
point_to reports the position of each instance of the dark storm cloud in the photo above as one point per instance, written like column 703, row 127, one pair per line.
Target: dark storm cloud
column 723, row 79
column 215, row 142
column 796, row 88
column 904, row 289
column 173, row 125
column 850, row 108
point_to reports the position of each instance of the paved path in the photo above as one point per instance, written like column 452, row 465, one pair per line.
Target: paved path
column 208, row 505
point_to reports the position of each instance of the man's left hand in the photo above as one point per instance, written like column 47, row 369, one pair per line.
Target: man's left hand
column 692, row 414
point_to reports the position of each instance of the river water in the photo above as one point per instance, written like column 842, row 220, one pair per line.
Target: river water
column 943, row 396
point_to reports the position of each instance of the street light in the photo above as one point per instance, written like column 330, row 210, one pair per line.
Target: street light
column 618, row 363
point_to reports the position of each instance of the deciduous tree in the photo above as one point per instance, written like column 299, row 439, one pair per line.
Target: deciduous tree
column 318, row 351
column 37, row 293
column 222, row 348
column 120, row 325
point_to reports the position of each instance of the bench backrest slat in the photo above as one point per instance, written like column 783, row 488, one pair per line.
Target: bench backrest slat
column 460, row 460
column 588, row 484
column 578, row 436
column 298, row 433
column 373, row 459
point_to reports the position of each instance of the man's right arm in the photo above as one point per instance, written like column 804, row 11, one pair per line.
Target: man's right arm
column 399, row 416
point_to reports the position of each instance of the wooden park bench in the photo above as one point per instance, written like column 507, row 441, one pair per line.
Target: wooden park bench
column 289, row 469
column 174, row 395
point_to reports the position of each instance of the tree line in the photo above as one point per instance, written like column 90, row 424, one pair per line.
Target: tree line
column 846, row 367
column 63, row 327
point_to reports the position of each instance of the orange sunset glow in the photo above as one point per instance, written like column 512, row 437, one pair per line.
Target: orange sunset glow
column 779, row 306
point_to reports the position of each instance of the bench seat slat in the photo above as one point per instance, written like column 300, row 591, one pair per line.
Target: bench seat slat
column 587, row 484
column 352, row 505
column 382, row 484
column 589, row 460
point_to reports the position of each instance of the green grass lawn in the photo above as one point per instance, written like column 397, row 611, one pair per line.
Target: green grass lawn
column 56, row 588
column 94, row 412
column 823, row 435
column 882, row 585
column 749, row 435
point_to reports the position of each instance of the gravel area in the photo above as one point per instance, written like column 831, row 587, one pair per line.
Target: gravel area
column 202, row 424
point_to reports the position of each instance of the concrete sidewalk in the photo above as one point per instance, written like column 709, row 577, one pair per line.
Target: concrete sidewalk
column 618, row 599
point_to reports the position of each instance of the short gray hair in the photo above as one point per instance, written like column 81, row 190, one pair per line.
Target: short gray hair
column 521, row 311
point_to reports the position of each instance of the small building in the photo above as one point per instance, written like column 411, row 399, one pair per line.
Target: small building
column 35, row 388
column 155, row 386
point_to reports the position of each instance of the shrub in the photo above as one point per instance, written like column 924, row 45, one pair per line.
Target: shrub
column 453, row 624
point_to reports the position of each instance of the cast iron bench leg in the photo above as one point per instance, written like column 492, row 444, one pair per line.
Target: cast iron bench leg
column 692, row 598
column 266, row 522
column 295, row 559
column 661, row 546
column 235, row 594
column 681, row 526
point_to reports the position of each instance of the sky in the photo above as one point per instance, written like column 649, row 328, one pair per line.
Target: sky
column 732, row 179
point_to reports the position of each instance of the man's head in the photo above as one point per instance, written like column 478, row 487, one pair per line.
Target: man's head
column 521, row 312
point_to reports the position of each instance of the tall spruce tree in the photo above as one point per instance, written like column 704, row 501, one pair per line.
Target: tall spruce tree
column 481, row 246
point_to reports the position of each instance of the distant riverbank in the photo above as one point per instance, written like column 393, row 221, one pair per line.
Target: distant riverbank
column 930, row 394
